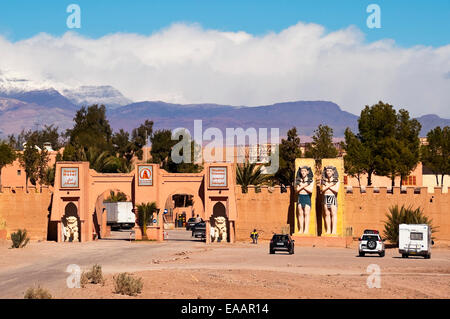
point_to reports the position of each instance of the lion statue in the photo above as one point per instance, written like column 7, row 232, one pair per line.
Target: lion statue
column 220, row 228
column 71, row 229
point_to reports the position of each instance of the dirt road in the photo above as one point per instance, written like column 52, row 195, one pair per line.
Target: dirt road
column 182, row 268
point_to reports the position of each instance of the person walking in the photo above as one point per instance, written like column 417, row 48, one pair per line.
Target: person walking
column 254, row 235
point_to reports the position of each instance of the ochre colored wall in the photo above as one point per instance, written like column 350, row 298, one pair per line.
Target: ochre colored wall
column 265, row 211
column 26, row 210
column 368, row 210
column 271, row 212
column 10, row 177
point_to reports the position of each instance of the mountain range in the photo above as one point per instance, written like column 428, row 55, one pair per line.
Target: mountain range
column 30, row 108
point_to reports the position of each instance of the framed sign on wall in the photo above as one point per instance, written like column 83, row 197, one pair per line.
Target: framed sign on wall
column 145, row 177
column 69, row 177
column 218, row 177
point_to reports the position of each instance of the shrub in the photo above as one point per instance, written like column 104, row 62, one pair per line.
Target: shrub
column 94, row 276
column 37, row 293
column 19, row 239
column 126, row 284
column 404, row 215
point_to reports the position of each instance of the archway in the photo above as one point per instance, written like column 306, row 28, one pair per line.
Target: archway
column 71, row 225
column 114, row 218
column 182, row 202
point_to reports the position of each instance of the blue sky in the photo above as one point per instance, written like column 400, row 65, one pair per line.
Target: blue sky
column 234, row 52
column 408, row 22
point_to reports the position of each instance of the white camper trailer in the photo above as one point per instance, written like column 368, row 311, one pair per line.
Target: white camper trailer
column 415, row 240
column 120, row 215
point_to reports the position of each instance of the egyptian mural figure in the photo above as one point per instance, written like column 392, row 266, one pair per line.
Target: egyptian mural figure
column 330, row 188
column 304, row 186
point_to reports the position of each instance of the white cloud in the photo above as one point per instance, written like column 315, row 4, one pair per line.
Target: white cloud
column 188, row 64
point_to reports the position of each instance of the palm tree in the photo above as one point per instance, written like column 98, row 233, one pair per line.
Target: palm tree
column 249, row 174
column 404, row 215
column 146, row 211
column 116, row 197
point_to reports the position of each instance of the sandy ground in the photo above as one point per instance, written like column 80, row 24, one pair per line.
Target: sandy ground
column 183, row 268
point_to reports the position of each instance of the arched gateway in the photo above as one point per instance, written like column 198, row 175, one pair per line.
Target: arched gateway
column 81, row 186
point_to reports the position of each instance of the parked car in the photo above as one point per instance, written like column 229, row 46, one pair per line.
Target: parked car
column 414, row 239
column 371, row 243
column 199, row 230
column 281, row 242
column 190, row 223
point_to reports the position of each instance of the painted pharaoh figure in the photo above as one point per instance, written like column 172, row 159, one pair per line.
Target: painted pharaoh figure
column 330, row 188
column 304, row 185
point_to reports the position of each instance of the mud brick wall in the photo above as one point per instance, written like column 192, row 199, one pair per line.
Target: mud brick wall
column 26, row 210
column 266, row 211
column 367, row 210
column 270, row 212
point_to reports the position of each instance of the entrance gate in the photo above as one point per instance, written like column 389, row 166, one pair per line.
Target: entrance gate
column 76, row 183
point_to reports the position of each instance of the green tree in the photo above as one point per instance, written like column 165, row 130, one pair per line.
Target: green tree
column 390, row 140
column 249, row 174
column 322, row 145
column 289, row 150
column 126, row 148
column 49, row 134
column 436, row 153
column 91, row 129
column 404, row 215
column 162, row 144
column 357, row 156
column 140, row 137
column 34, row 161
column 7, row 156
column 398, row 152
column 375, row 124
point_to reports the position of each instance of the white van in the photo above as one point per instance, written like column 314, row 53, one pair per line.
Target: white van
column 415, row 240
column 120, row 215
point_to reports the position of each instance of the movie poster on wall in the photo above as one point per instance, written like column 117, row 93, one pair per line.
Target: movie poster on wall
column 69, row 177
column 218, row 177
column 145, row 175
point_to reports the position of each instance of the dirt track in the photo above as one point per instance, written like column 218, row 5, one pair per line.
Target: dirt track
column 182, row 268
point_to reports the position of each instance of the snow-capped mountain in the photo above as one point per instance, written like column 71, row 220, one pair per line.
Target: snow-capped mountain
column 17, row 87
column 105, row 94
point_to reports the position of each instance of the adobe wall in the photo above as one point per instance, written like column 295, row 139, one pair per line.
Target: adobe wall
column 368, row 210
column 271, row 212
column 13, row 175
column 26, row 210
column 266, row 211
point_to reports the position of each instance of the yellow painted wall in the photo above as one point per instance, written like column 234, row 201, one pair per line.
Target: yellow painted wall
column 429, row 181
column 339, row 164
